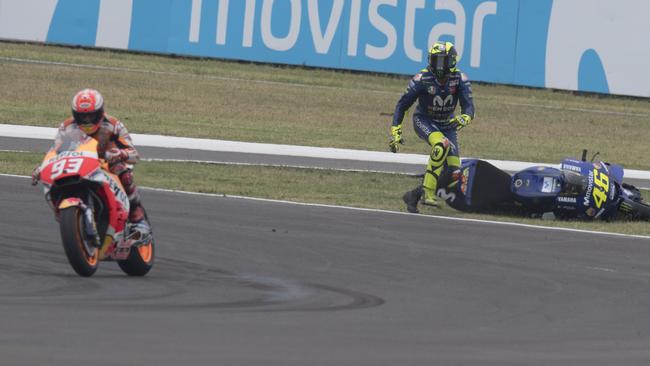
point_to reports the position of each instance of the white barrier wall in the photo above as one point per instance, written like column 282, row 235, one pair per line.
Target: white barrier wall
column 588, row 45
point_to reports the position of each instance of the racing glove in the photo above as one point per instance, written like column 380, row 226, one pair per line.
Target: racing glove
column 115, row 155
column 461, row 121
column 36, row 175
column 396, row 138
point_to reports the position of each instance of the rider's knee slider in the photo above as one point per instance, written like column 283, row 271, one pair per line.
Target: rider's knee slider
column 440, row 146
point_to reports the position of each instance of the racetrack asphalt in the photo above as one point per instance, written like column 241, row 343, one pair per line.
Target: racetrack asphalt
column 246, row 282
column 147, row 152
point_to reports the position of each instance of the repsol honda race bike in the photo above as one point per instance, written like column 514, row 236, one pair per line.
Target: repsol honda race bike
column 92, row 208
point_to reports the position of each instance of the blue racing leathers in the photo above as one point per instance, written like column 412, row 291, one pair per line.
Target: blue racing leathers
column 436, row 102
column 434, row 121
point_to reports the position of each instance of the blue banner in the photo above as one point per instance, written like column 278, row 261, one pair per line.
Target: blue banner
column 543, row 43
column 376, row 35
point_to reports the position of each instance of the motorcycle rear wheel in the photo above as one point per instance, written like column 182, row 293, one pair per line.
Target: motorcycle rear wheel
column 82, row 256
column 140, row 260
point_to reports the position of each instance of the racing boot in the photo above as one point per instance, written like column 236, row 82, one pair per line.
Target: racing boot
column 140, row 229
column 411, row 198
column 429, row 186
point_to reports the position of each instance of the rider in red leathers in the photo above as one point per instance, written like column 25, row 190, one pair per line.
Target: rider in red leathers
column 114, row 145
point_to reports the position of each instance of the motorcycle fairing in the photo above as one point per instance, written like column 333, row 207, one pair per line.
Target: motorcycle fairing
column 600, row 189
column 69, row 202
column 66, row 165
column 480, row 186
column 536, row 187
column 118, row 208
column 77, row 156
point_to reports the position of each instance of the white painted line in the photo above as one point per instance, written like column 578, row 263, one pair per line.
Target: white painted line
column 602, row 269
column 15, row 151
column 223, row 195
column 581, row 110
column 398, row 213
column 15, row 176
column 194, row 35
column 48, row 133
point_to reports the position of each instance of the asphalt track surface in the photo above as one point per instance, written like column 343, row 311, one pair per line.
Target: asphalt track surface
column 245, row 282
column 39, row 145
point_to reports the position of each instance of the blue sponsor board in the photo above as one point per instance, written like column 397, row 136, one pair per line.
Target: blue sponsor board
column 74, row 22
column 501, row 41
column 374, row 35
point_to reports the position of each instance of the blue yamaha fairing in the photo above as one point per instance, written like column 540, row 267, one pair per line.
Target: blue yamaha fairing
column 578, row 189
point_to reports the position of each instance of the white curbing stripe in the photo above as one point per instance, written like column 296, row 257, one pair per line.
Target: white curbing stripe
column 449, row 218
column 31, row 132
column 48, row 133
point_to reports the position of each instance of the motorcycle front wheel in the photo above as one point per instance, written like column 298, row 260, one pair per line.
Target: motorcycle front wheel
column 641, row 209
column 83, row 257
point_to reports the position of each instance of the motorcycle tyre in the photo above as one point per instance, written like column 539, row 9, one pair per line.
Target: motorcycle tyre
column 71, row 226
column 641, row 209
column 140, row 260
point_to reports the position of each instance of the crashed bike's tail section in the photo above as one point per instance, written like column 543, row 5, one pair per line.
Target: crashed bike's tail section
column 480, row 186
column 491, row 187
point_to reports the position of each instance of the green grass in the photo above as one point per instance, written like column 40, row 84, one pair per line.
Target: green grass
column 293, row 105
column 369, row 190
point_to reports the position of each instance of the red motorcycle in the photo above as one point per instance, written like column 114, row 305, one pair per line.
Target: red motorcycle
column 92, row 208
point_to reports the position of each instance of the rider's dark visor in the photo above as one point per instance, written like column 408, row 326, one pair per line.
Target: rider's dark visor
column 440, row 62
column 88, row 118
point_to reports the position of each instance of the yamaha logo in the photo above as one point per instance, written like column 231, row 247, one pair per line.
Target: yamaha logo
column 566, row 199
column 572, row 168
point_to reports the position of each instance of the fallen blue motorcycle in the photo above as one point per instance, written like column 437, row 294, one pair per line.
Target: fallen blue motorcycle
column 579, row 189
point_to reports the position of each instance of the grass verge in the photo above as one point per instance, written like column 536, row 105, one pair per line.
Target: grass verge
column 293, row 105
column 368, row 190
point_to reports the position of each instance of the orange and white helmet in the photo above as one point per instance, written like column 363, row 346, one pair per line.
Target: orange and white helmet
column 88, row 110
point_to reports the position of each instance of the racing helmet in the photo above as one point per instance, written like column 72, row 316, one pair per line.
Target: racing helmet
column 442, row 58
column 88, row 110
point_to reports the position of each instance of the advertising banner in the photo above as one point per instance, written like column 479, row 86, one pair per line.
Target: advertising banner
column 587, row 45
